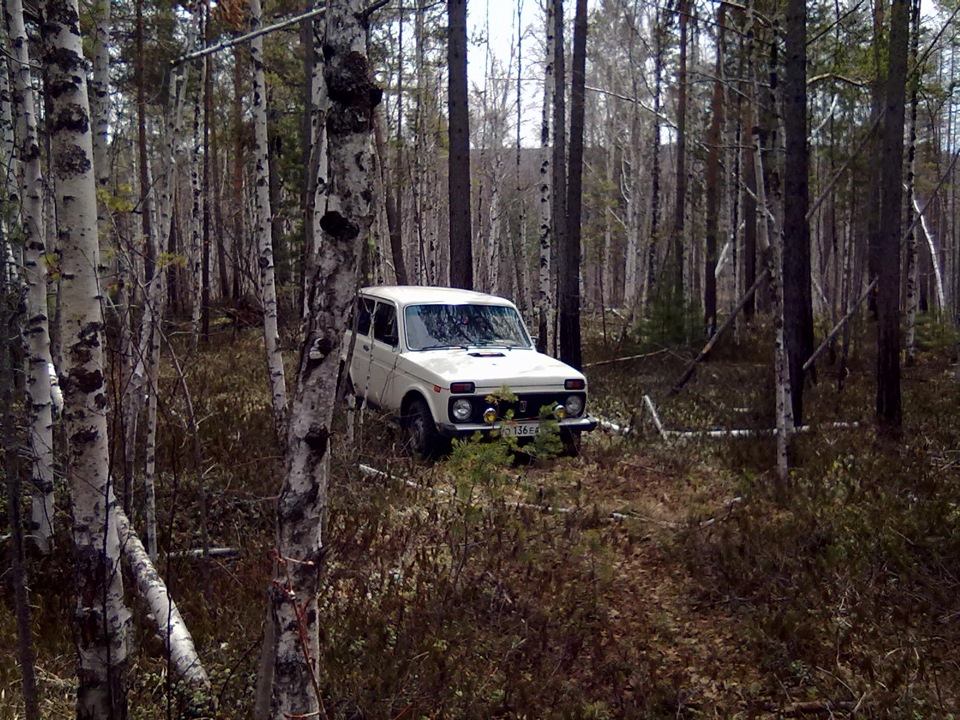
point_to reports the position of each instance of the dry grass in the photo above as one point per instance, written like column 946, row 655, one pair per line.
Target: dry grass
column 717, row 594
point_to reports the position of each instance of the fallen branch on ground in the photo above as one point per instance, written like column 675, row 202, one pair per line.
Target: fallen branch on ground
column 222, row 553
column 183, row 654
column 812, row 707
column 598, row 363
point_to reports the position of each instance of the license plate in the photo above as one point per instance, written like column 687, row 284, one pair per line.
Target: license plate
column 519, row 429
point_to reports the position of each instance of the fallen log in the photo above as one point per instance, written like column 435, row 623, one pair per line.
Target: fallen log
column 179, row 643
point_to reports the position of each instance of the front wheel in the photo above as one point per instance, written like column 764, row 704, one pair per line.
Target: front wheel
column 571, row 442
column 425, row 441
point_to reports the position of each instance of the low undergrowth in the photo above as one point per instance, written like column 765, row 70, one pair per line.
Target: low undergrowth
column 644, row 579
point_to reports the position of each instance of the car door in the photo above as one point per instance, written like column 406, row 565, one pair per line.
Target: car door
column 361, row 361
column 385, row 351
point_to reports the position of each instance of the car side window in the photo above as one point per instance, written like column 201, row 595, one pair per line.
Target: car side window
column 385, row 324
column 364, row 313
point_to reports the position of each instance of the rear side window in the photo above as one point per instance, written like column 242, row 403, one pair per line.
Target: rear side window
column 385, row 324
column 364, row 314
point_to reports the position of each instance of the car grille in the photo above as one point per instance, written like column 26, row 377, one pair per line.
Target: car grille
column 525, row 407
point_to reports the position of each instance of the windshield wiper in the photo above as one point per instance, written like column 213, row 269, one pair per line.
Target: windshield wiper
column 445, row 346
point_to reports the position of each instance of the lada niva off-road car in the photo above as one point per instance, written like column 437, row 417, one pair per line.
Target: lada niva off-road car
column 450, row 363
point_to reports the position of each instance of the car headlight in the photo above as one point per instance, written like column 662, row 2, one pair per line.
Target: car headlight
column 574, row 405
column 462, row 409
column 559, row 411
column 489, row 416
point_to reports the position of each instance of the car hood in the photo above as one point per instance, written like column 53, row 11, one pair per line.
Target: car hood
column 490, row 368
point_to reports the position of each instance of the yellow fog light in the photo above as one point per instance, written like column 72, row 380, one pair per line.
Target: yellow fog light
column 489, row 416
column 559, row 411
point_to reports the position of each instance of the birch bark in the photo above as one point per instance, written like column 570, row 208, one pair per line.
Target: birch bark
column 271, row 331
column 546, row 182
column 36, row 332
column 345, row 225
column 100, row 95
column 102, row 619
column 195, row 247
column 152, row 589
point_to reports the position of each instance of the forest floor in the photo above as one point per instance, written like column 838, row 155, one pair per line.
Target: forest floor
column 646, row 578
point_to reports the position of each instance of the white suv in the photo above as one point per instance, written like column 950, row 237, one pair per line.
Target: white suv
column 449, row 363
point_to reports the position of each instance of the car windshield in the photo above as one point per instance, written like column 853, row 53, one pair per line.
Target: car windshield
column 442, row 326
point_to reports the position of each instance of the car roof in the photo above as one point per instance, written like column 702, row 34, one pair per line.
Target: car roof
column 424, row 295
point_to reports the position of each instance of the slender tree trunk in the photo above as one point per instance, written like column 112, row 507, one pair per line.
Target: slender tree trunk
column 302, row 502
column 197, row 191
column 36, row 333
column 679, row 212
column 145, row 189
column 217, row 199
column 208, row 193
column 569, row 271
column 101, row 616
column 546, row 180
column 239, row 198
column 100, row 102
column 651, row 263
column 798, row 308
column 461, row 234
column 558, row 165
column 888, row 253
column 913, row 270
column 712, row 180
column 749, row 212
column 271, row 330
column 13, row 441
column 875, row 157
column 391, row 196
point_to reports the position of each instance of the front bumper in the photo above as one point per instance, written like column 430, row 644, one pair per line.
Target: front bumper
column 459, row 430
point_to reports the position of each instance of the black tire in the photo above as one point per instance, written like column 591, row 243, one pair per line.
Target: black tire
column 425, row 442
column 344, row 387
column 571, row 442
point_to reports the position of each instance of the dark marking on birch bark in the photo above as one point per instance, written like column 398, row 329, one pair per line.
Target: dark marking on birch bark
column 324, row 345
column 67, row 62
column 72, row 161
column 352, row 91
column 59, row 12
column 73, row 118
column 86, row 381
column 335, row 224
column 82, row 437
column 316, row 439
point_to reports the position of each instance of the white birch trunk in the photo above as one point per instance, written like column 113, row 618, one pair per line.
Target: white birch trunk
column 934, row 255
column 494, row 256
column 543, row 304
column 102, row 618
column 151, row 588
column 765, row 233
column 36, row 331
column 319, row 163
column 302, row 502
column 633, row 286
column 271, row 331
column 784, row 404
column 100, row 95
column 912, row 272
column 150, row 449
column 8, row 169
column 195, row 250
